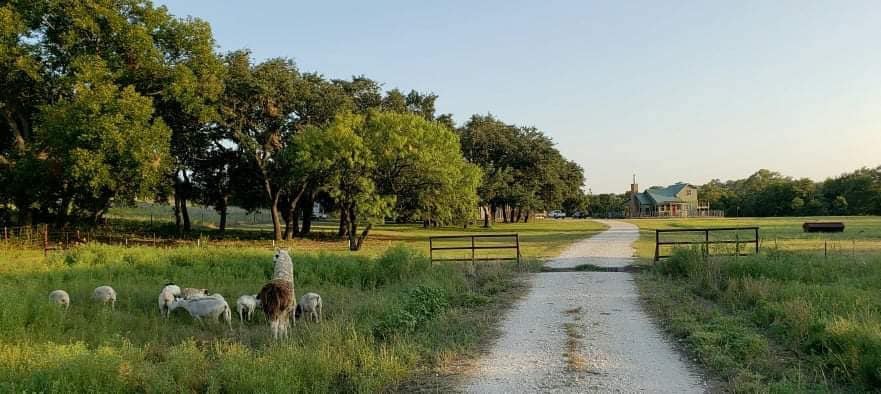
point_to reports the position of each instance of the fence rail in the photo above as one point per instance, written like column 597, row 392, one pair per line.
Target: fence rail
column 706, row 241
column 473, row 247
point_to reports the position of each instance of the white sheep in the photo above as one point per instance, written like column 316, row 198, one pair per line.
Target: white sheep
column 246, row 305
column 310, row 306
column 210, row 307
column 105, row 295
column 60, row 297
column 166, row 297
column 189, row 293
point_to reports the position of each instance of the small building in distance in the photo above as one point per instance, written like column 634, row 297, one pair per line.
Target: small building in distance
column 677, row 200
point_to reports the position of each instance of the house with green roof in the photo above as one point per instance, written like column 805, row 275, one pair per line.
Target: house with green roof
column 678, row 200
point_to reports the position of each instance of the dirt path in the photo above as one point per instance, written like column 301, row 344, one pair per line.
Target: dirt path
column 584, row 331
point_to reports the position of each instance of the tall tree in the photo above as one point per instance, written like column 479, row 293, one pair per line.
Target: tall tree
column 44, row 41
column 257, row 107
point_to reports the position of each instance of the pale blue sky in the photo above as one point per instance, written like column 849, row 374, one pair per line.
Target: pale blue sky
column 671, row 91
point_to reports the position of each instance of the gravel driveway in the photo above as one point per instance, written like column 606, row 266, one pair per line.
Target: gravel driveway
column 584, row 331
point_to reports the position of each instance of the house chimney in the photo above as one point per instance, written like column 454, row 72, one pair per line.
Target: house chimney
column 634, row 201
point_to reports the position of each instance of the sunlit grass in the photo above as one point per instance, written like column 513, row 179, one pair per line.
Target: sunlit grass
column 131, row 348
column 862, row 234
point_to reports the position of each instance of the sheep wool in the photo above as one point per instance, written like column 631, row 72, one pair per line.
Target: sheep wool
column 105, row 295
column 60, row 297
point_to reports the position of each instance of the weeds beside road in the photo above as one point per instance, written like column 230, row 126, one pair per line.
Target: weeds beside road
column 778, row 322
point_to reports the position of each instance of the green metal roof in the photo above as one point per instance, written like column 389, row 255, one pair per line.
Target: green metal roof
column 660, row 195
column 643, row 199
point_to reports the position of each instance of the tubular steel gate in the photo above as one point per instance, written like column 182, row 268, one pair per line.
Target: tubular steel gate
column 475, row 247
column 706, row 242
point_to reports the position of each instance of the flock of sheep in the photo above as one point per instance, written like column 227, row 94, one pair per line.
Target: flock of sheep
column 200, row 305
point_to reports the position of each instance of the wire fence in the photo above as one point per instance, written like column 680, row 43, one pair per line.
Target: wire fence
column 829, row 245
column 45, row 238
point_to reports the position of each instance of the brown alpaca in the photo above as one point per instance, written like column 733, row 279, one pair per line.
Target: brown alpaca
column 277, row 300
column 277, row 297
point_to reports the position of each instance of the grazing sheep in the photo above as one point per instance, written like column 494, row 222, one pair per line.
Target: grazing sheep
column 246, row 305
column 105, row 295
column 166, row 297
column 310, row 306
column 210, row 307
column 60, row 297
column 189, row 293
column 277, row 297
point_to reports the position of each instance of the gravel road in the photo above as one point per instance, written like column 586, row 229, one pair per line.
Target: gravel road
column 584, row 331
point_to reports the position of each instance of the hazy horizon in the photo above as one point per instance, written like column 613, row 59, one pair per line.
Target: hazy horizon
column 670, row 92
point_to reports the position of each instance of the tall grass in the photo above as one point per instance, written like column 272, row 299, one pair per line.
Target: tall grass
column 826, row 312
column 359, row 347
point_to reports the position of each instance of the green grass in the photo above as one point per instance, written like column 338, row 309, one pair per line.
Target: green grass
column 777, row 322
column 389, row 320
column 539, row 239
column 392, row 320
column 862, row 235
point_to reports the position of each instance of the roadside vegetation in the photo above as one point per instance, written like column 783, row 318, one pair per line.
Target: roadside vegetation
column 790, row 319
column 388, row 319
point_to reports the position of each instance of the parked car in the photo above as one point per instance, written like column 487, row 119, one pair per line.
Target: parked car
column 580, row 214
column 557, row 214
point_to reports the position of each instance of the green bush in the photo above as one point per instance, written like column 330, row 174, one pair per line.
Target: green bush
column 417, row 306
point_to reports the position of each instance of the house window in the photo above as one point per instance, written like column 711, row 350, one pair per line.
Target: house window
column 687, row 192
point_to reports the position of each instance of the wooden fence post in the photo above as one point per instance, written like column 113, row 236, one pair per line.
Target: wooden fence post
column 472, row 249
column 46, row 240
column 517, row 237
column 430, row 250
column 736, row 245
column 657, row 247
column 707, row 243
column 757, row 240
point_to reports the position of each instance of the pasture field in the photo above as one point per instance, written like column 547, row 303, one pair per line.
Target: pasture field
column 787, row 320
column 862, row 235
column 540, row 238
column 392, row 320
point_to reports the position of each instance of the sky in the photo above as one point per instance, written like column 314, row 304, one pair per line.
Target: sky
column 670, row 91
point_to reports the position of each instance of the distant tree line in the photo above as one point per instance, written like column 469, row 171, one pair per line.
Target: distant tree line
column 105, row 102
column 768, row 193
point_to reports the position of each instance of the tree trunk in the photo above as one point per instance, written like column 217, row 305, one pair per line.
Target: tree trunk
column 224, row 209
column 353, row 229
column 526, row 218
column 185, row 212
column 363, row 236
column 177, row 218
column 61, row 220
column 485, row 217
column 505, row 213
column 355, row 241
column 344, row 225
column 306, row 207
column 290, row 220
column 273, row 209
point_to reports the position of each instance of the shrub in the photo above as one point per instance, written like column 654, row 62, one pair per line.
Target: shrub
column 418, row 305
